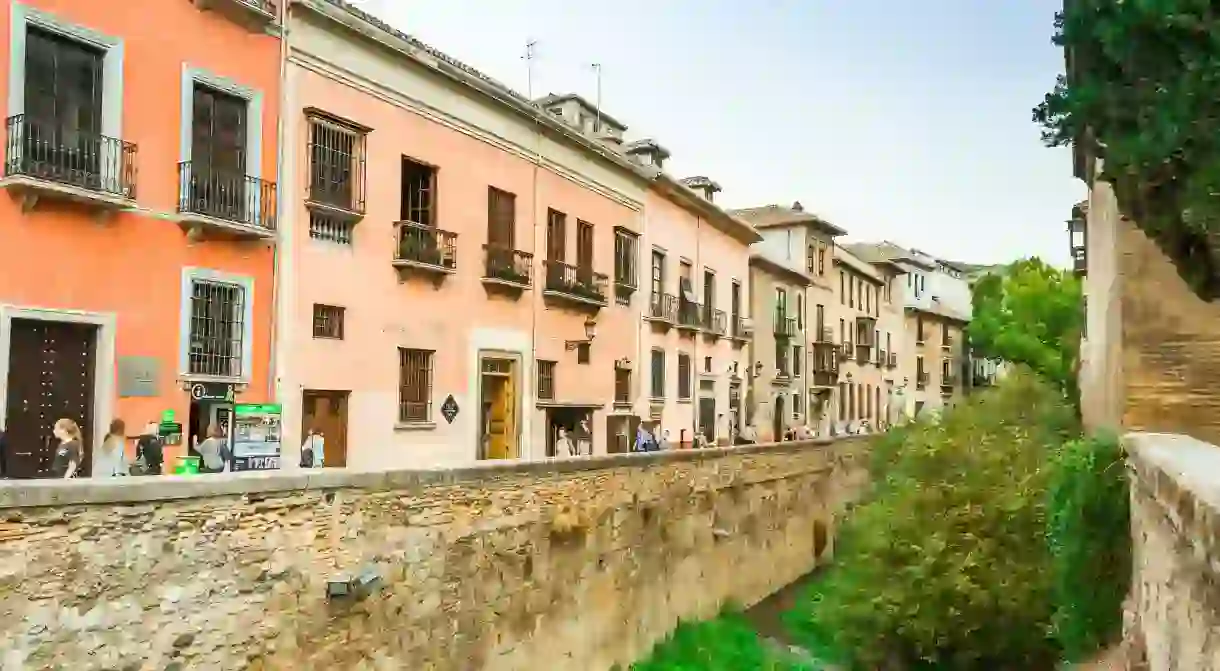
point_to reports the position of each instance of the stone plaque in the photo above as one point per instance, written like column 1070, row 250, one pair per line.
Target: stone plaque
column 449, row 409
column 138, row 376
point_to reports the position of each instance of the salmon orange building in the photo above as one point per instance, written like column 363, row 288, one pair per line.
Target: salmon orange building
column 138, row 217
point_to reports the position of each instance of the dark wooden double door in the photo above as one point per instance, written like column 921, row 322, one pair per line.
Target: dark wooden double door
column 326, row 411
column 50, row 376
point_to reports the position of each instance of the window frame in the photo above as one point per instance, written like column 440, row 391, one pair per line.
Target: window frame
column 320, row 311
column 656, row 382
column 192, row 274
column 688, row 379
column 627, row 278
column 546, row 372
column 192, row 76
column 429, row 385
column 21, row 17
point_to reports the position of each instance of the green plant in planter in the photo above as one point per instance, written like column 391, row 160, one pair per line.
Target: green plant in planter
column 1140, row 93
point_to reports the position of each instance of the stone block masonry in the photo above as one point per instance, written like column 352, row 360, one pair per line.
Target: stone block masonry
column 569, row 565
column 1173, row 618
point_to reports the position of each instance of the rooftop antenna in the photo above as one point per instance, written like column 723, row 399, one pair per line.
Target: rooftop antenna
column 530, row 54
column 597, row 69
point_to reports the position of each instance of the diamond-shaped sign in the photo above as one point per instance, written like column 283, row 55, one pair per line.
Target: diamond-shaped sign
column 449, row 409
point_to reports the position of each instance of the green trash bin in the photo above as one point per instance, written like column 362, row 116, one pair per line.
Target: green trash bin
column 187, row 466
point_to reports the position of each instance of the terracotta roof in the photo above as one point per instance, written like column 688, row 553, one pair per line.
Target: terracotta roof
column 862, row 267
column 886, row 251
column 772, row 216
column 701, row 182
column 646, row 145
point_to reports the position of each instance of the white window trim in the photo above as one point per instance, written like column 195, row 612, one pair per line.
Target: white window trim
column 254, row 114
column 103, row 359
column 189, row 276
column 23, row 16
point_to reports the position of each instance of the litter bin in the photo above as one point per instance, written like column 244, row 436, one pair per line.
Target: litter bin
column 186, row 466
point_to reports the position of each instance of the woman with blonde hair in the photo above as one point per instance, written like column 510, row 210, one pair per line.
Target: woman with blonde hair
column 213, row 451
column 67, row 458
column 111, row 461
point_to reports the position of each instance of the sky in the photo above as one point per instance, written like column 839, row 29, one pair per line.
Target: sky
column 894, row 119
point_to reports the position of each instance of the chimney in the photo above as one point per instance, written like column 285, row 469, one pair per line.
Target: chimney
column 647, row 152
column 703, row 185
column 796, row 207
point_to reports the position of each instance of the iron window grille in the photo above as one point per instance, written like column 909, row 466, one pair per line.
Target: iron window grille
column 217, row 329
column 328, row 321
column 546, row 380
column 337, row 164
column 415, row 385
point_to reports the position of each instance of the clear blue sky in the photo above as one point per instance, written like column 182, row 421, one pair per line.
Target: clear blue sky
column 893, row 118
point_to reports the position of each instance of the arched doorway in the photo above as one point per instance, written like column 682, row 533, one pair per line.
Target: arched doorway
column 777, row 419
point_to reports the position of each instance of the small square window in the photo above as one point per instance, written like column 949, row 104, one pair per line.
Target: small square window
column 328, row 321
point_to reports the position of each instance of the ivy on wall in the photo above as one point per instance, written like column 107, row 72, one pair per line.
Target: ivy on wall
column 1141, row 92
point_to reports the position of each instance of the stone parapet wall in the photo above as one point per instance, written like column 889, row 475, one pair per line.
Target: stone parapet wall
column 563, row 565
column 1173, row 619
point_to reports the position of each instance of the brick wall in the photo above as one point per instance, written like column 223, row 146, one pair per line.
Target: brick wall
column 571, row 565
column 1173, row 619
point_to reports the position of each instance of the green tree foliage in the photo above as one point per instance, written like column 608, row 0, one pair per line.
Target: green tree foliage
column 1031, row 315
column 947, row 565
column 1090, row 543
column 727, row 643
column 1140, row 90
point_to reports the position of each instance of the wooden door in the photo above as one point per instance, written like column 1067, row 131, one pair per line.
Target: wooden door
column 326, row 411
column 707, row 418
column 584, row 251
column 50, row 377
column 499, row 403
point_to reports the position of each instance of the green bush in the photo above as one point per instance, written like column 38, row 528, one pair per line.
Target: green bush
column 947, row 565
column 1090, row 544
column 727, row 643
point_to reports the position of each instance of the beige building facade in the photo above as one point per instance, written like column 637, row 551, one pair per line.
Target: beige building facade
column 776, row 397
column 868, row 328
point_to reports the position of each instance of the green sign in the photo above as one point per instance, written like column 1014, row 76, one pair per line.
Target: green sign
column 167, row 416
column 247, row 409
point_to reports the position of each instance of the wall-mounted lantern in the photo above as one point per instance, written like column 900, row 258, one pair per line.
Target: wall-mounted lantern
column 590, row 334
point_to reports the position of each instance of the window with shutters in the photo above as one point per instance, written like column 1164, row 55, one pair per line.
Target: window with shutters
column 415, row 385
column 685, row 376
column 657, row 374
column 626, row 277
column 622, row 386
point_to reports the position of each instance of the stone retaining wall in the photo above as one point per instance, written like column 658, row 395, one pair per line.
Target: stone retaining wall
column 569, row 565
column 1173, row 618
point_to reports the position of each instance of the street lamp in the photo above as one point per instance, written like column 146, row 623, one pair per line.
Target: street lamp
column 590, row 334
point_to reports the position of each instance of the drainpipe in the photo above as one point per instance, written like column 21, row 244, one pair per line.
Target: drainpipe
column 531, row 381
column 273, row 365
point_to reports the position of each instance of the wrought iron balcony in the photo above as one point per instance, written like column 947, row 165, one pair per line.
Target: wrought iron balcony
column 824, row 335
column 824, row 357
column 881, row 358
column 507, row 266
column 845, row 350
column 715, row 322
column 948, row 382
column 743, row 328
column 225, row 202
column 785, row 327
column 690, row 315
column 663, row 308
column 921, row 380
column 44, row 158
column 576, row 284
column 893, row 360
column 424, row 248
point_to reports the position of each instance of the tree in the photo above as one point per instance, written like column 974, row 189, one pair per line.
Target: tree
column 946, row 566
column 1030, row 314
column 1140, row 92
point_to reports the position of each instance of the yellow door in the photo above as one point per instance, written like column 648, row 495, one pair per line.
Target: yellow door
column 508, row 399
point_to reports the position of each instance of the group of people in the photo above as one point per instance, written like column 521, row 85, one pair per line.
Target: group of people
column 111, row 460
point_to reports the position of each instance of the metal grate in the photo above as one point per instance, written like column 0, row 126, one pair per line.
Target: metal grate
column 217, row 329
column 546, row 380
column 415, row 385
column 328, row 321
column 337, row 163
column 330, row 229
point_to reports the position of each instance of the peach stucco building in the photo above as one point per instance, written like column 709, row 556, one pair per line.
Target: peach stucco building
column 461, row 278
column 139, row 208
column 697, row 311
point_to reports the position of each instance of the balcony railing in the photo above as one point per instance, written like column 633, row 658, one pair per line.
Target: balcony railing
column 226, row 195
column 824, row 357
column 740, row 330
column 48, row 151
column 576, row 282
column 716, row 322
column 425, row 247
column 845, row 350
column 893, row 360
column 785, row 327
column 921, row 380
column 508, row 265
column 690, row 315
column 824, row 334
column 881, row 358
column 663, row 307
